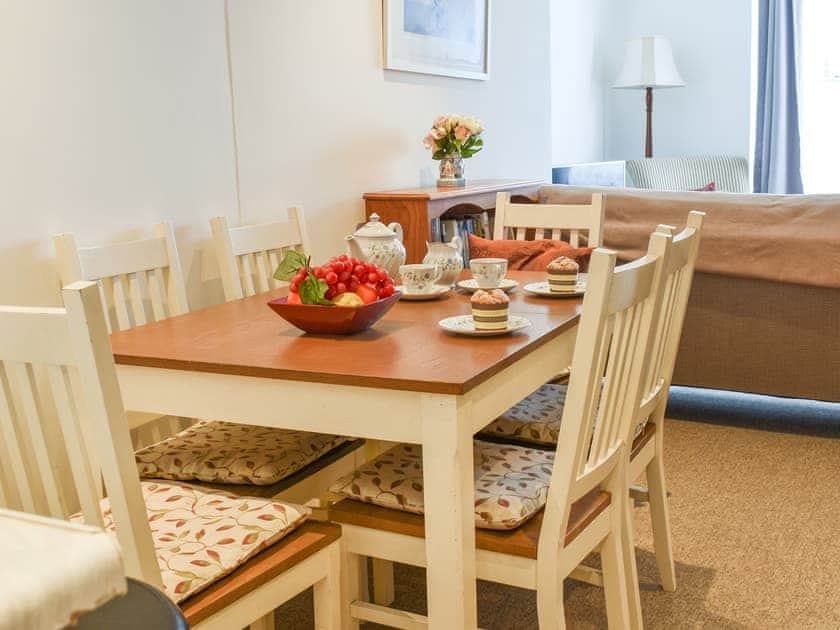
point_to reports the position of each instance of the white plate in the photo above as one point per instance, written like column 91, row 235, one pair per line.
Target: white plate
column 464, row 325
column 507, row 285
column 434, row 294
column 541, row 289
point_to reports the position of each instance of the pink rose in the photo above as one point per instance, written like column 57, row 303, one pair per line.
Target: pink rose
column 430, row 143
column 440, row 121
column 461, row 133
column 438, row 132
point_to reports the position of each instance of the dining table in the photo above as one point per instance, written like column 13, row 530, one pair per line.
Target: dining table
column 403, row 380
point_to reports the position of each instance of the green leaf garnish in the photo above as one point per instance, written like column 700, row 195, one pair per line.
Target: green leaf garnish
column 312, row 291
column 292, row 263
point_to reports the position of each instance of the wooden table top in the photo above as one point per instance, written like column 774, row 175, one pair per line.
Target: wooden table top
column 472, row 187
column 404, row 350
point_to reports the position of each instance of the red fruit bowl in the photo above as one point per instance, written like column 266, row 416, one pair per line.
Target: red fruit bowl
column 333, row 320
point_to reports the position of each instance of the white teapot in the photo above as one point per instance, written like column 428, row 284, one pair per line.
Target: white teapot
column 447, row 258
column 380, row 244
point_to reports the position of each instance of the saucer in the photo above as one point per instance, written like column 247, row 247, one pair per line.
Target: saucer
column 541, row 289
column 464, row 325
column 507, row 285
column 436, row 292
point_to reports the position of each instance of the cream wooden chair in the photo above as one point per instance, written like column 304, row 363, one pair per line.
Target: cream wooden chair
column 554, row 221
column 248, row 255
column 536, row 420
column 145, row 282
column 59, row 360
column 583, row 481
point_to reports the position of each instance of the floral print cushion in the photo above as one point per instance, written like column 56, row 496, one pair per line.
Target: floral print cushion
column 511, row 482
column 202, row 535
column 536, row 418
column 225, row 452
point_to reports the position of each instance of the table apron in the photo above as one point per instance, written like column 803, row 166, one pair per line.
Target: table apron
column 364, row 412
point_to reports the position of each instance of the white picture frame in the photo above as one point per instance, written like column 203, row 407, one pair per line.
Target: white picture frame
column 443, row 37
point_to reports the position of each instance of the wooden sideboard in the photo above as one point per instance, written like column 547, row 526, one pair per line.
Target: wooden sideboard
column 414, row 208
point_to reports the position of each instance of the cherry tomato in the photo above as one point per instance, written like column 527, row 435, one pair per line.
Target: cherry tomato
column 348, row 266
column 344, row 276
column 387, row 290
column 319, row 272
column 340, row 288
column 358, row 270
column 383, row 275
column 372, row 277
column 343, row 257
column 331, row 277
column 337, row 266
column 294, row 285
column 354, row 284
column 371, row 267
column 330, row 294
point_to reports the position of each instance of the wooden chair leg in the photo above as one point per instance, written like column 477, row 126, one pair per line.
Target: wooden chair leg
column 327, row 594
column 265, row 622
column 616, row 589
column 660, row 523
column 551, row 613
column 351, row 579
column 631, row 572
column 383, row 582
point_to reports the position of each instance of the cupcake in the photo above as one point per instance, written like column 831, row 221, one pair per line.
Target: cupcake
column 562, row 275
column 490, row 309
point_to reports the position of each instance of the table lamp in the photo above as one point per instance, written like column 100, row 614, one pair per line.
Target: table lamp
column 649, row 63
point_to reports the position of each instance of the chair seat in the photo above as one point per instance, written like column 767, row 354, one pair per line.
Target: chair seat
column 534, row 420
column 521, row 541
column 229, row 453
column 202, row 535
column 511, row 482
column 305, row 541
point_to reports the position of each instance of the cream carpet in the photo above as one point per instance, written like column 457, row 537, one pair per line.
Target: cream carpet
column 756, row 526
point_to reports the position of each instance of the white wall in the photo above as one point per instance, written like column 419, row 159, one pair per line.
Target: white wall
column 320, row 122
column 711, row 115
column 117, row 113
column 114, row 115
column 579, row 76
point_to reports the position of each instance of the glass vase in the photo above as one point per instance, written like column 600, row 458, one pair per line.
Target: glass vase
column 451, row 171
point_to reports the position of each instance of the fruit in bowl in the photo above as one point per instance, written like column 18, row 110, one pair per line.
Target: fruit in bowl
column 343, row 296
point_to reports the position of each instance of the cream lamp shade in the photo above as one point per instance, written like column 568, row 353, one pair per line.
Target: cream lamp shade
column 649, row 63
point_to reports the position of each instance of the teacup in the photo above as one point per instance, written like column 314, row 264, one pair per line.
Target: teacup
column 419, row 278
column 488, row 272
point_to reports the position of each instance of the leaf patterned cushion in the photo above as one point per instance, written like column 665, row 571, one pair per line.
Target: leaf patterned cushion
column 536, row 418
column 202, row 535
column 225, row 452
column 511, row 482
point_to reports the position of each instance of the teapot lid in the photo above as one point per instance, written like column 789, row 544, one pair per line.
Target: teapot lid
column 374, row 228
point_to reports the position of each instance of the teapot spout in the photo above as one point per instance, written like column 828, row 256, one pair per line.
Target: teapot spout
column 353, row 248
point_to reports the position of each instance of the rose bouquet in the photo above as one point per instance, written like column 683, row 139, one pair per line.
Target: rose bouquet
column 453, row 135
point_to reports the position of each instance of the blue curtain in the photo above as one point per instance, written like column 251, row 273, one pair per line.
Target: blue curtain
column 777, row 143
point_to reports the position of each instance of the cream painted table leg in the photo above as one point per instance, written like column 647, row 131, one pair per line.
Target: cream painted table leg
column 449, row 489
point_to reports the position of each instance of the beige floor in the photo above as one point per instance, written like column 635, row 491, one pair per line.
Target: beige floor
column 756, row 525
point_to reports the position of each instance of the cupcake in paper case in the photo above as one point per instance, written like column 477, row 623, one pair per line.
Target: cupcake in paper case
column 562, row 275
column 490, row 309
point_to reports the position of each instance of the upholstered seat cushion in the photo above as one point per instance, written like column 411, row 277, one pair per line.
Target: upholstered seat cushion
column 536, row 418
column 511, row 482
column 202, row 535
column 224, row 452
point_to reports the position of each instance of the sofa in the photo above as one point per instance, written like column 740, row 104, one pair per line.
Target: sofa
column 764, row 312
column 729, row 173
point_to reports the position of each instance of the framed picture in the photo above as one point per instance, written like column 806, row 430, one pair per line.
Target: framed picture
column 445, row 37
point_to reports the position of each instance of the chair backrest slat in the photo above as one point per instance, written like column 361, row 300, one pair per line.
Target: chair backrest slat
column 77, row 451
column 92, row 428
column 133, row 273
column 248, row 255
column 614, row 339
column 556, row 219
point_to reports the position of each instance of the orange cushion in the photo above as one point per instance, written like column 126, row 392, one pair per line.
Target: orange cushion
column 528, row 255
